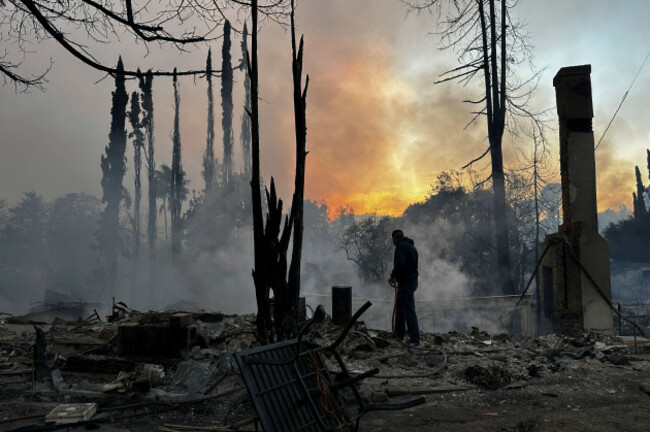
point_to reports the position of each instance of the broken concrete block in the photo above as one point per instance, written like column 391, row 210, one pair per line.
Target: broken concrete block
column 155, row 341
column 180, row 320
column 71, row 413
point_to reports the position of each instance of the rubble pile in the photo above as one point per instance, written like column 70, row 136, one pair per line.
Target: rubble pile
column 199, row 385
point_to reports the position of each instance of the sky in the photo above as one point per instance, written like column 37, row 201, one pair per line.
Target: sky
column 379, row 130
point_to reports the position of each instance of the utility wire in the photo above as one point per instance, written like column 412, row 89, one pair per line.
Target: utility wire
column 622, row 100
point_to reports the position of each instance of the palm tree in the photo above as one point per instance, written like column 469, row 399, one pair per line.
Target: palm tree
column 163, row 179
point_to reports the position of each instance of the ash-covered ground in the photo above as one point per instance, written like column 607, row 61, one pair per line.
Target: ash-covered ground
column 484, row 382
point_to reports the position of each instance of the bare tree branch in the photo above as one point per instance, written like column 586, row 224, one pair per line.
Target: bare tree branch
column 473, row 161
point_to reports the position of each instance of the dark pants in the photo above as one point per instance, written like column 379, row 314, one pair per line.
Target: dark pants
column 405, row 311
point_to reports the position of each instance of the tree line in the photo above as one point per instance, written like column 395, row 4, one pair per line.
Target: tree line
column 628, row 239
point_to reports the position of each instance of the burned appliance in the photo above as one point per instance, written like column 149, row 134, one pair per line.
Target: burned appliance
column 292, row 388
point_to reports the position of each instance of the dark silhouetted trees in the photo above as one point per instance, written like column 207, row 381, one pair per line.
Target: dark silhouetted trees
column 261, row 275
column 113, row 165
column 177, row 176
column 72, row 223
column 488, row 42
column 226, row 104
column 368, row 244
column 271, row 240
column 208, row 156
column 138, row 144
column 24, row 255
column 297, row 204
column 245, row 136
column 146, row 89
column 629, row 238
column 639, row 195
column 47, row 246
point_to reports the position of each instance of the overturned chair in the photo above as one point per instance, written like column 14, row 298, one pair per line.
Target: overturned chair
column 293, row 390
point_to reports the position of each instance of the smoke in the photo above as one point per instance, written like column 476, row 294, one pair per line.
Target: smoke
column 217, row 280
column 612, row 173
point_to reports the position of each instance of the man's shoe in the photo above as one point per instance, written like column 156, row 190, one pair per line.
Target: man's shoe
column 414, row 343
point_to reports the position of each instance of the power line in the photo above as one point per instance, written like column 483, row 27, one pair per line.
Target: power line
column 622, row 100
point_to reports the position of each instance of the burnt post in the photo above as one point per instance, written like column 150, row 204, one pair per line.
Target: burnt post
column 341, row 304
column 575, row 285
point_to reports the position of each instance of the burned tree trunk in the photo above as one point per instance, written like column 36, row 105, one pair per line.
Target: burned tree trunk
column 272, row 242
column 226, row 104
column 245, row 136
column 138, row 143
column 487, row 38
column 208, row 157
column 146, row 87
column 277, row 261
column 177, row 181
column 113, row 166
column 297, row 206
column 260, row 272
column 496, row 98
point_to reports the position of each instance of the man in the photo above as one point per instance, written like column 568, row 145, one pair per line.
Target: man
column 405, row 275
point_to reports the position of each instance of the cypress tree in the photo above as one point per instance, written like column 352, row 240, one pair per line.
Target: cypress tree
column 639, row 202
column 138, row 143
column 113, row 165
column 146, row 87
column 176, row 187
column 226, row 103
column 208, row 157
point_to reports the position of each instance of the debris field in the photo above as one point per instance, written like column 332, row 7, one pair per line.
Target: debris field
column 176, row 371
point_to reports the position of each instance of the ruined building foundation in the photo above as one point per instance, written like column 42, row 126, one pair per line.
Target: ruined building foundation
column 575, row 278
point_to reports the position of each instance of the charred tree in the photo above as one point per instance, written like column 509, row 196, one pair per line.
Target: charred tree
column 176, row 186
column 487, row 39
column 138, row 144
column 538, row 308
column 495, row 97
column 260, row 272
column 245, row 136
column 146, row 89
column 226, row 104
column 208, row 157
column 276, row 243
column 297, row 206
column 113, row 165
column 272, row 238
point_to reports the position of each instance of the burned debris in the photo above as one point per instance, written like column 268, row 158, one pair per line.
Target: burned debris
column 325, row 380
column 293, row 389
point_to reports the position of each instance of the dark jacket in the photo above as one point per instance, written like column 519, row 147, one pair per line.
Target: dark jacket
column 405, row 261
